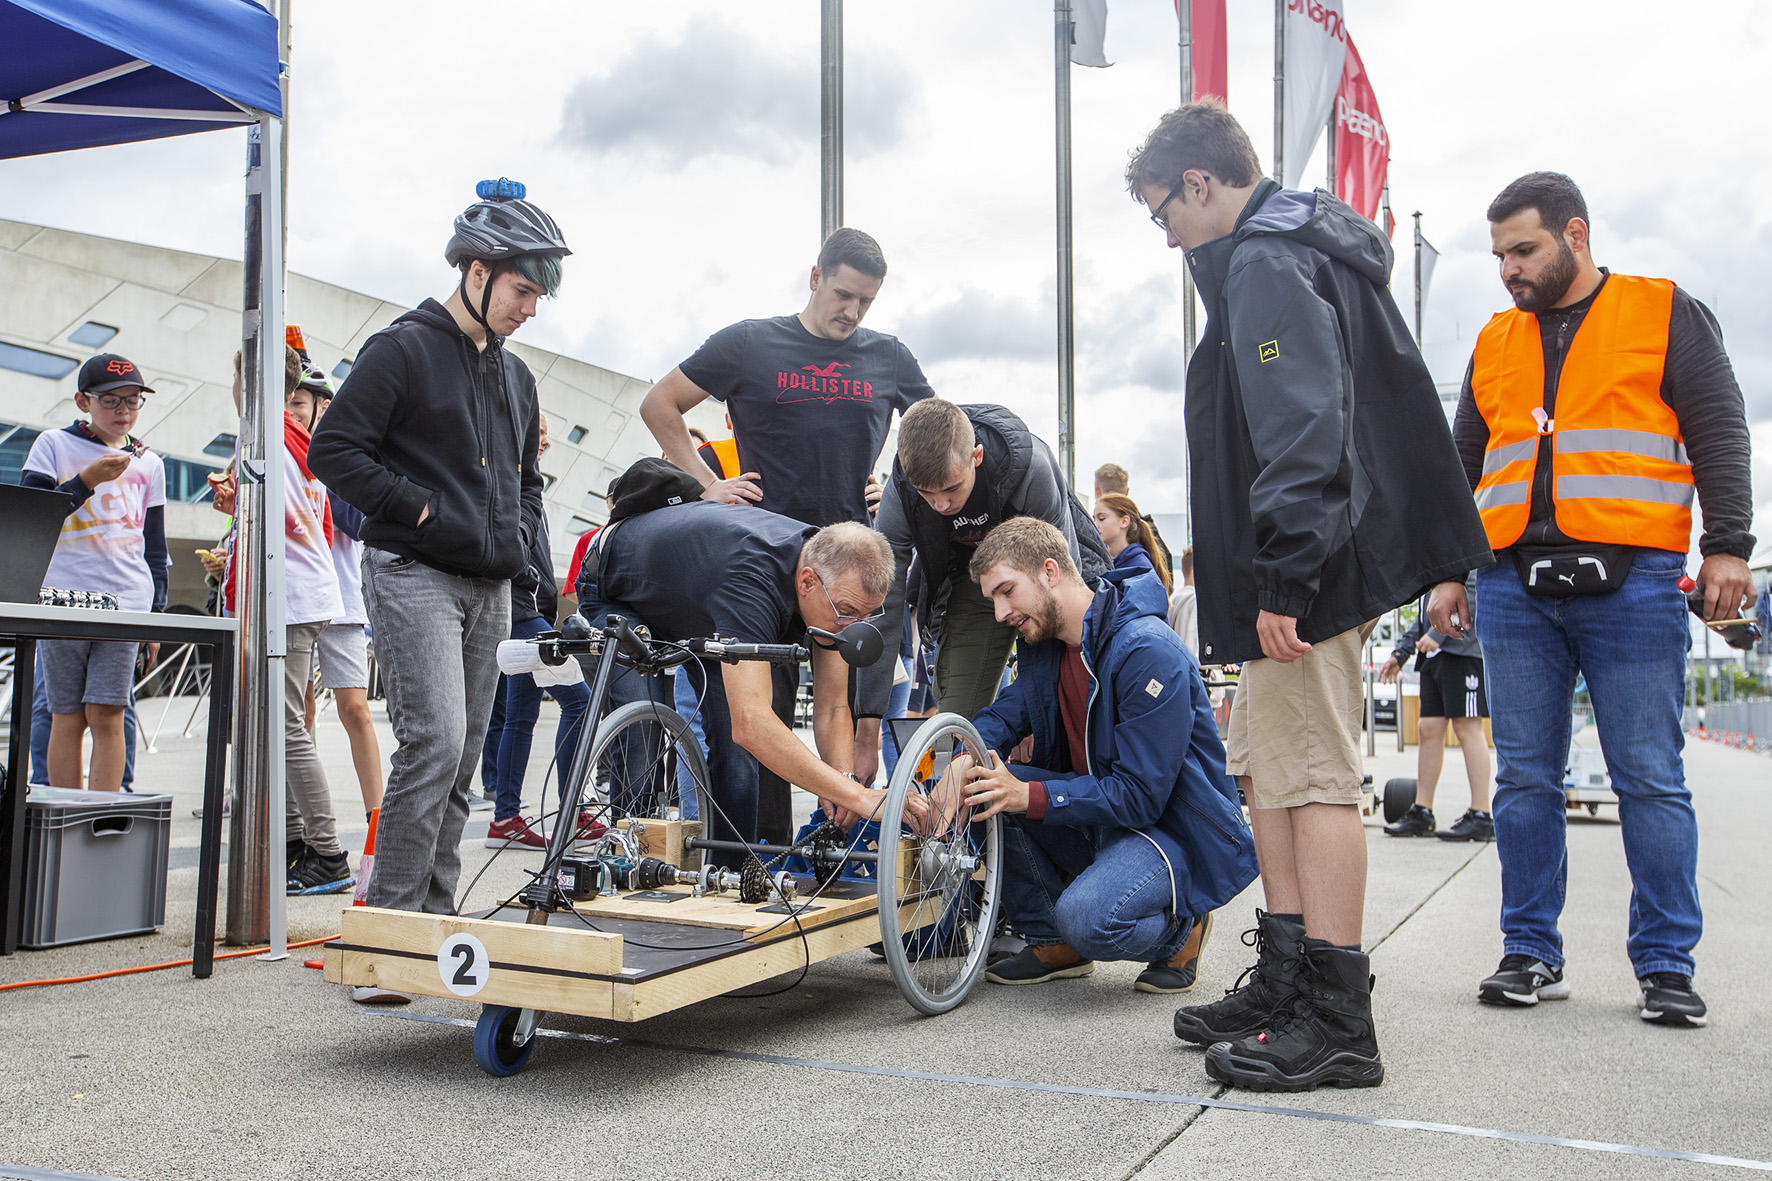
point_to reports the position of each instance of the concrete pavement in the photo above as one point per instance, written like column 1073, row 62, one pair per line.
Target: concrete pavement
column 265, row 1071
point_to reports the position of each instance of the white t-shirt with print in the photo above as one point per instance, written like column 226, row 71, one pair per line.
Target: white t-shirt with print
column 102, row 547
column 310, row 585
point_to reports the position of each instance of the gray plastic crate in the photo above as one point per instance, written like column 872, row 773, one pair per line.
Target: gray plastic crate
column 95, row 865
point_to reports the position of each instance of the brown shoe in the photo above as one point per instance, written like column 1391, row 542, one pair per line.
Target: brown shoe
column 1037, row 965
column 1179, row 971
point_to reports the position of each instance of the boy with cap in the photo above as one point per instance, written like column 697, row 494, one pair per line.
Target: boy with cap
column 114, row 540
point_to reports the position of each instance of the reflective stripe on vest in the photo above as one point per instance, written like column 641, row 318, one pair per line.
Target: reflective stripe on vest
column 1620, row 470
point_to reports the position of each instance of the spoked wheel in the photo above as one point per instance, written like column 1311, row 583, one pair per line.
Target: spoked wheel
column 938, row 890
column 495, row 1040
column 643, row 757
column 1399, row 797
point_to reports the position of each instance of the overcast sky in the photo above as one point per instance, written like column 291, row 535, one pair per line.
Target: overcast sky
column 677, row 145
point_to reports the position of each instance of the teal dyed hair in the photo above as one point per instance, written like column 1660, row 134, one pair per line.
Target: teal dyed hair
column 544, row 270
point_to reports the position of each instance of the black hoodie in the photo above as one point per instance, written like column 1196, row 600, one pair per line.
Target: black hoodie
column 1325, row 483
column 425, row 418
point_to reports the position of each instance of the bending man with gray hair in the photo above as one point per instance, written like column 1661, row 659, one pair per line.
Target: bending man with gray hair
column 704, row 569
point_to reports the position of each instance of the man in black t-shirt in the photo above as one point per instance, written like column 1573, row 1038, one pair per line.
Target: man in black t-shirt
column 775, row 577
column 810, row 400
column 810, row 396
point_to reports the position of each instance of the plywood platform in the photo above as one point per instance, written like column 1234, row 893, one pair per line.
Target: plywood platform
column 614, row 959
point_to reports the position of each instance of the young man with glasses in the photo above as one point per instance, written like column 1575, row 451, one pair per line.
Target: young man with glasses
column 114, row 541
column 701, row 569
column 1326, row 492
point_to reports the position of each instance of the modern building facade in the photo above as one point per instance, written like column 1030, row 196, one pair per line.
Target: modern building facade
column 65, row 296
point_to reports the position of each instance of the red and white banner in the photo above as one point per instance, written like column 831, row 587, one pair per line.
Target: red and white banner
column 1211, row 54
column 1362, row 147
column 1315, row 48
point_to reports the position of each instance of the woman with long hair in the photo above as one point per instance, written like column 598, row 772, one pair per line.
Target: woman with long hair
column 1128, row 536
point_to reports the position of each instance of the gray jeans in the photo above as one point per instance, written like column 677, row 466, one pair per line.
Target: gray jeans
column 436, row 646
column 307, row 797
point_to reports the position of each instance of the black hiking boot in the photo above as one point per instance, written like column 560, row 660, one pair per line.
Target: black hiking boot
column 1246, row 1007
column 1416, row 822
column 1323, row 1037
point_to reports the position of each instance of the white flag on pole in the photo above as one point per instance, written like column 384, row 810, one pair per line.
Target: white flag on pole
column 1429, row 256
column 1316, row 48
column 1089, row 35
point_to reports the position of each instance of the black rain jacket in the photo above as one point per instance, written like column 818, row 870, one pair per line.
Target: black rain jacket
column 1325, row 483
column 426, row 418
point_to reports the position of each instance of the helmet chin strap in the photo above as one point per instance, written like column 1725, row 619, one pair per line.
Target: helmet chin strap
column 485, row 297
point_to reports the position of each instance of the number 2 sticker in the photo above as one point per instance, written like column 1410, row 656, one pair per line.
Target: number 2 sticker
column 463, row 964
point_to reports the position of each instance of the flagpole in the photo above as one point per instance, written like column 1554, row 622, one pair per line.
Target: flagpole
column 1417, row 216
column 1184, row 11
column 1067, row 362
column 831, row 116
column 1280, row 91
column 1330, row 134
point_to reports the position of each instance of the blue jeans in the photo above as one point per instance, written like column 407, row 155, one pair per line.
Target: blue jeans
column 1104, row 892
column 688, row 694
column 522, row 707
column 1631, row 645
column 40, row 723
column 733, row 772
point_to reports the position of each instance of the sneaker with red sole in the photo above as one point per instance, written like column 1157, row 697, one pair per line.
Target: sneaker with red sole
column 518, row 832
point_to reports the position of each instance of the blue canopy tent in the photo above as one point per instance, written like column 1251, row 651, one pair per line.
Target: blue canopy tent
column 85, row 73
column 88, row 73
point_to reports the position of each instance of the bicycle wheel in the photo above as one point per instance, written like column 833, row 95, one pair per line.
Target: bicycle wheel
column 632, row 764
column 938, row 891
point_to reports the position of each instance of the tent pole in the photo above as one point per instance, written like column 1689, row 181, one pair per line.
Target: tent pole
column 256, row 901
column 283, row 45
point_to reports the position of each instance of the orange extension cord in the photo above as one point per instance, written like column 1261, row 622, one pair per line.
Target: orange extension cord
column 231, row 955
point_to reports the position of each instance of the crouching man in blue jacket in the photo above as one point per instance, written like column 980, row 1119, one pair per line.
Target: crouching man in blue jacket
column 1123, row 833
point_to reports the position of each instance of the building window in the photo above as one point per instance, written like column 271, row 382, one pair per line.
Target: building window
column 575, row 434
column 342, row 370
column 187, row 482
column 547, row 483
column 222, row 445
column 579, row 526
column 15, row 447
column 37, row 364
column 92, row 335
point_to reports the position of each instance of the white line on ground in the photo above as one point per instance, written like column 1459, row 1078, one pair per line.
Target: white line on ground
column 1132, row 1096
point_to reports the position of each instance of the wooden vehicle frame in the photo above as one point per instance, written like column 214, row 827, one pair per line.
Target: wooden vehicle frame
column 637, row 948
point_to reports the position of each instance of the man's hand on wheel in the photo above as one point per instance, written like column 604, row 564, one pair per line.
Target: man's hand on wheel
column 993, row 789
column 1449, row 610
column 741, row 489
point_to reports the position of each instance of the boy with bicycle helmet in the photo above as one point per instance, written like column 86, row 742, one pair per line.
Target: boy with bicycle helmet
column 434, row 438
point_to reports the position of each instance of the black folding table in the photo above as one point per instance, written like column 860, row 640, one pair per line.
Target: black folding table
column 21, row 626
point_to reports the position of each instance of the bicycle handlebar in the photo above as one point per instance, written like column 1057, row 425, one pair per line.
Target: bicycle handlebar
column 637, row 649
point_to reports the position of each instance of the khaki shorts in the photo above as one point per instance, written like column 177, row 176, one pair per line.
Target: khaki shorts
column 1294, row 729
